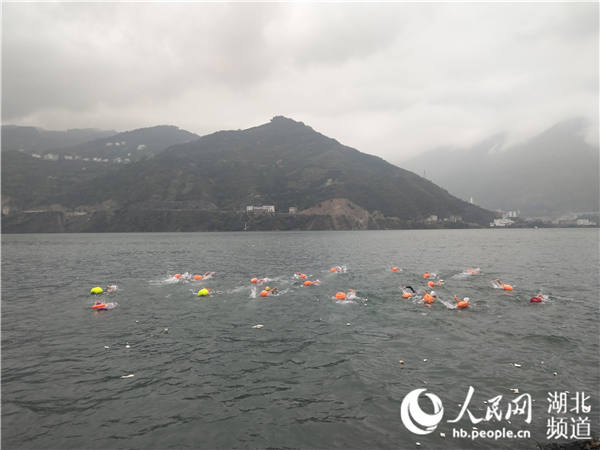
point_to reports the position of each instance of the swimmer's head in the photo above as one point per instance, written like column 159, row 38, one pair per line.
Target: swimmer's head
column 433, row 293
column 466, row 299
column 267, row 288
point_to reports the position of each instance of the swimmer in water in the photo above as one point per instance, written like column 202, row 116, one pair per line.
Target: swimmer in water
column 464, row 303
column 497, row 283
column 270, row 290
column 208, row 275
column 538, row 298
column 111, row 288
column 409, row 287
column 429, row 298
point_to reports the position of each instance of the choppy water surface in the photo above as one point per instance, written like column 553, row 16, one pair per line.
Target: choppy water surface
column 320, row 373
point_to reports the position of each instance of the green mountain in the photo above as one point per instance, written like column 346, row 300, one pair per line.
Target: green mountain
column 38, row 175
column 554, row 173
column 209, row 182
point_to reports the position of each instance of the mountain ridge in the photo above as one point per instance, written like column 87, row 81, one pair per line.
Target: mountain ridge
column 283, row 162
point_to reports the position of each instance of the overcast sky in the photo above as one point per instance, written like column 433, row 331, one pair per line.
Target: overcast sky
column 391, row 79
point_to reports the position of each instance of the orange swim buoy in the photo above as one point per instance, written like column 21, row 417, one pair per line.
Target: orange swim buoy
column 426, row 275
column 407, row 295
column 177, row 275
column 462, row 304
column 395, row 269
column 99, row 306
column 332, row 269
column 198, row 277
column 308, row 283
column 507, row 287
column 430, row 284
column 264, row 293
column 254, row 280
column 428, row 298
column 340, row 295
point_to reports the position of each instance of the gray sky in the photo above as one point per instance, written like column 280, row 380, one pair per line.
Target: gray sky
column 391, row 79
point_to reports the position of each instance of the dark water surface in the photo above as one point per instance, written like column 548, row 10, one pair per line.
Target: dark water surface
column 320, row 374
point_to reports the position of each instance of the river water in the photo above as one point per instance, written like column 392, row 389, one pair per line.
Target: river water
column 320, row 373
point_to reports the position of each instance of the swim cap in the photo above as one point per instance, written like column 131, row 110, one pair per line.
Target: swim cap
column 466, row 299
column 433, row 293
column 267, row 288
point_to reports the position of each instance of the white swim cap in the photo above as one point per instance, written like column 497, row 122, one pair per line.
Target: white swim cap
column 466, row 299
column 433, row 293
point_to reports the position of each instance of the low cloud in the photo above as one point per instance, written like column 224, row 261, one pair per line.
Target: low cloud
column 388, row 79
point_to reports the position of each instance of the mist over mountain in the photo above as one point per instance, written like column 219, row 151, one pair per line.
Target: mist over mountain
column 284, row 163
column 554, row 173
column 34, row 139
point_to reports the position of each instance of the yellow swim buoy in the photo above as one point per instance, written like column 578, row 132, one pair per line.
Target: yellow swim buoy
column 203, row 292
column 96, row 290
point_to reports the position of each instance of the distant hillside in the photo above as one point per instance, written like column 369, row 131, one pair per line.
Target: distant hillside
column 554, row 173
column 133, row 145
column 44, row 178
column 33, row 139
column 284, row 163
